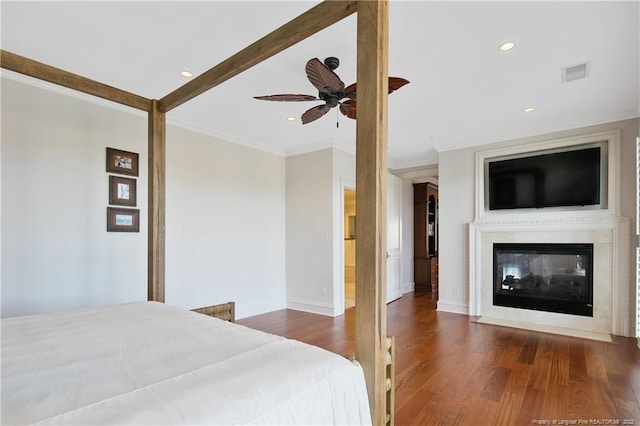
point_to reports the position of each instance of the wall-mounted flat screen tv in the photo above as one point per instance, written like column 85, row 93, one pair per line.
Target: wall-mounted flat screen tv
column 568, row 178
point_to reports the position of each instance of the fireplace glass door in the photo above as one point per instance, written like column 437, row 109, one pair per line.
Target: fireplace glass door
column 544, row 277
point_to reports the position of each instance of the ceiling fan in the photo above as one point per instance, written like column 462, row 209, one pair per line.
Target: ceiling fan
column 331, row 90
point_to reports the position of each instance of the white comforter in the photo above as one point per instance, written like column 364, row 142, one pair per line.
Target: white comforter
column 149, row 363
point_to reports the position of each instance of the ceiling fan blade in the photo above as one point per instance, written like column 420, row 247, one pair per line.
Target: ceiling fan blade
column 314, row 113
column 348, row 108
column 287, row 98
column 394, row 84
column 322, row 77
column 350, row 91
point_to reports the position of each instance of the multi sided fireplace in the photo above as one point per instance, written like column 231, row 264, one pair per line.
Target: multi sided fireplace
column 544, row 277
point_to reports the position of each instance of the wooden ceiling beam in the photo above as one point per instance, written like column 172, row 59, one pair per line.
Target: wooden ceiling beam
column 20, row 64
column 314, row 20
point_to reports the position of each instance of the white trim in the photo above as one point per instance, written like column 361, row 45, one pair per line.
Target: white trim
column 408, row 288
column 312, row 307
column 317, row 146
column 559, row 224
column 421, row 174
column 226, row 137
column 454, row 308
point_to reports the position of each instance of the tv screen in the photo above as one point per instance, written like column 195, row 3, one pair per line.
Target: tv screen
column 569, row 178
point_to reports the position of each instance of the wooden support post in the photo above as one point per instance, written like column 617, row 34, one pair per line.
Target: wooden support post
column 156, row 204
column 371, row 184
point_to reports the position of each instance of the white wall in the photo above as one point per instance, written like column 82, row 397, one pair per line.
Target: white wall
column 56, row 253
column 457, row 205
column 225, row 224
column 315, row 234
column 310, row 239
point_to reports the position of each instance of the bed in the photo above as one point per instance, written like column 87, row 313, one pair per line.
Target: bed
column 150, row 363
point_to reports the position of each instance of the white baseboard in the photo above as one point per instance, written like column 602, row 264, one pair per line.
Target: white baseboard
column 311, row 307
column 453, row 308
column 408, row 288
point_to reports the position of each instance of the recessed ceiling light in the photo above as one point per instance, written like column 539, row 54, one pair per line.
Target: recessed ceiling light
column 186, row 74
column 508, row 45
column 528, row 109
column 291, row 118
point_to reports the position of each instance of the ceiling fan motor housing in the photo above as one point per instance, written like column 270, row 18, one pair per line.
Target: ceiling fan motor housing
column 332, row 62
column 332, row 99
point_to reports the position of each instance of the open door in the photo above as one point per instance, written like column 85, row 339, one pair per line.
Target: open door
column 349, row 248
column 394, row 229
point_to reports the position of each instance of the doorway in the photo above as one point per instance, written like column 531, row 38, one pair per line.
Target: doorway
column 349, row 248
column 425, row 238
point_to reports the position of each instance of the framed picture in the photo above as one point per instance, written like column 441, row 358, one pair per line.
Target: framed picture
column 122, row 162
column 123, row 220
column 122, row 191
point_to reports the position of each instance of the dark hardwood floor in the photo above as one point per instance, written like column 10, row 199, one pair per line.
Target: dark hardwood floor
column 451, row 371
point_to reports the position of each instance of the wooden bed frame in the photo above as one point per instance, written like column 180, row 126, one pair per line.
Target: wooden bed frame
column 223, row 311
column 371, row 158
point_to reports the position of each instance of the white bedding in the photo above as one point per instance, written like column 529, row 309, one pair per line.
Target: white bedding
column 149, row 363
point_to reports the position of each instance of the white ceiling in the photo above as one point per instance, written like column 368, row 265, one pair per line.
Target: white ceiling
column 463, row 91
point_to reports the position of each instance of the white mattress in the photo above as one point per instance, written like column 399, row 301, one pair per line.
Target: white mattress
column 149, row 363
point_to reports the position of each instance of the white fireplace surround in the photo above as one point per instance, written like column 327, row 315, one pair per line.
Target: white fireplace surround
column 603, row 227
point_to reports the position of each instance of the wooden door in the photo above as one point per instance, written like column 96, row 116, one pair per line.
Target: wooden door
column 421, row 262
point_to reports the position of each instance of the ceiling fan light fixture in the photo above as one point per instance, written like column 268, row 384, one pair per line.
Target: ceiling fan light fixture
column 291, row 119
column 506, row 46
column 186, row 74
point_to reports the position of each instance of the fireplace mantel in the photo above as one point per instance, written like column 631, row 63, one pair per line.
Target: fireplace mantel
column 610, row 237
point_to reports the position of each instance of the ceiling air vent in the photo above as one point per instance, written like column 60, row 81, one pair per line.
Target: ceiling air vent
column 575, row 72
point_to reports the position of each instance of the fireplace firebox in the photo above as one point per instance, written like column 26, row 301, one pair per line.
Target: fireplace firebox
column 544, row 277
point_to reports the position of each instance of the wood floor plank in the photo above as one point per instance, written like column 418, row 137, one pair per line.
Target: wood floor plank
column 556, row 400
column 508, row 410
column 483, row 413
column 451, row 371
column 498, row 381
column 578, row 365
column 528, row 353
column 531, row 407
column 595, row 363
